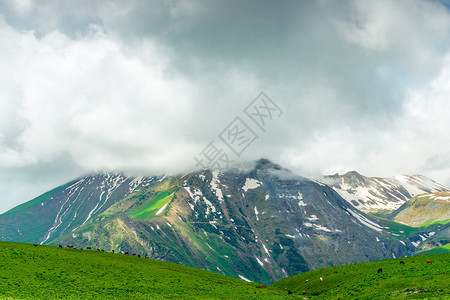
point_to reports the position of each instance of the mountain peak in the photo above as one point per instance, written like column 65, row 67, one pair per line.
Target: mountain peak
column 352, row 173
column 264, row 164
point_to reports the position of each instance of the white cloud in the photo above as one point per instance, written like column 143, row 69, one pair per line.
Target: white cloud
column 144, row 86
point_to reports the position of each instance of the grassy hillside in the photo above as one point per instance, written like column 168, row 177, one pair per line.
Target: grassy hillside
column 38, row 199
column 34, row 226
column 51, row 272
column 396, row 281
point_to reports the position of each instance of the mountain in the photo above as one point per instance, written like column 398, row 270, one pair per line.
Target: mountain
column 376, row 194
column 67, row 207
column 424, row 210
column 260, row 225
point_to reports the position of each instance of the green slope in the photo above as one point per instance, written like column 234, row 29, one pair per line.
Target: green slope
column 47, row 272
column 437, row 250
column 146, row 203
column 396, row 281
column 33, row 226
column 38, row 199
column 156, row 205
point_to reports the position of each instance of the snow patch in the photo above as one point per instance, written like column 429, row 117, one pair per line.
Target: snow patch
column 365, row 221
column 243, row 278
column 250, row 184
column 215, row 185
column 195, row 194
column 265, row 249
column 313, row 218
column 210, row 207
column 301, row 203
column 163, row 208
column 259, row 262
column 323, row 228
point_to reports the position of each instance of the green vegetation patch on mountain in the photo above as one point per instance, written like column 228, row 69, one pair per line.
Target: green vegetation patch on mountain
column 38, row 200
column 415, row 278
column 398, row 230
column 34, row 226
column 150, row 202
column 157, row 205
column 45, row 272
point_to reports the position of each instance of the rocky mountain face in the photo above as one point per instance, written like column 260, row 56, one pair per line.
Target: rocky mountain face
column 67, row 207
column 376, row 194
column 259, row 225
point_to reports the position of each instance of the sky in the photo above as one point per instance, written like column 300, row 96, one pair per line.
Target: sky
column 144, row 87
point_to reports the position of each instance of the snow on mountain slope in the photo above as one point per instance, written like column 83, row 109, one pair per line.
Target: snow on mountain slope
column 66, row 208
column 264, row 225
column 376, row 194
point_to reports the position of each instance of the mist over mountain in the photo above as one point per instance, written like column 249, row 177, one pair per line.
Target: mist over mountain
column 142, row 87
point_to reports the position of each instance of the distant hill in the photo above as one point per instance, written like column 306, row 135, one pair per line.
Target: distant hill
column 424, row 210
column 377, row 194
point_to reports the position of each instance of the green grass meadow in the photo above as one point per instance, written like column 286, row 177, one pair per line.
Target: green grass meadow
column 418, row 280
column 46, row 272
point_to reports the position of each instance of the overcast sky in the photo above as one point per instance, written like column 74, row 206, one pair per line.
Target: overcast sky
column 144, row 86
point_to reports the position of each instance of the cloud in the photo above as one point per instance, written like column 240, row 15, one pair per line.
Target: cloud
column 143, row 86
